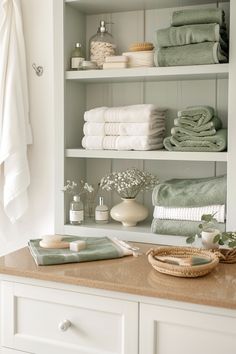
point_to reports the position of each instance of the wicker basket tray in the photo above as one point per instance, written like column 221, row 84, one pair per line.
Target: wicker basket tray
column 185, row 271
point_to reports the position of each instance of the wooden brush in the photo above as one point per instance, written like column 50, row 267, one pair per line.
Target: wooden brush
column 188, row 261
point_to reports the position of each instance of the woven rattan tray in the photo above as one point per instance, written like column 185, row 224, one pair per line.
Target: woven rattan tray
column 185, row 271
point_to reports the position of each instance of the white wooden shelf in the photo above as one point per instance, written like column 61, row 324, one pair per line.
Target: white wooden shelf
column 199, row 72
column 140, row 233
column 148, row 155
column 105, row 6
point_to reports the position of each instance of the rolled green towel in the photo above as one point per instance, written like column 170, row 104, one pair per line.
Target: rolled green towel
column 198, row 16
column 97, row 248
column 192, row 126
column 194, row 192
column 192, row 54
column 179, row 228
column 197, row 114
column 214, row 143
column 190, row 34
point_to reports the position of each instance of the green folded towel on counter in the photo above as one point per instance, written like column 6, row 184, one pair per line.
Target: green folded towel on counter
column 193, row 126
column 190, row 34
column 195, row 192
column 198, row 16
column 185, row 142
column 97, row 248
column 179, row 228
column 192, row 54
column 199, row 115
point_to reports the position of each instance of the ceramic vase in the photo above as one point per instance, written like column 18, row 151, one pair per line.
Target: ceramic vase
column 129, row 212
column 208, row 238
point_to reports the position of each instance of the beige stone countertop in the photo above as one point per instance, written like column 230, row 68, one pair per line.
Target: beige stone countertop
column 131, row 275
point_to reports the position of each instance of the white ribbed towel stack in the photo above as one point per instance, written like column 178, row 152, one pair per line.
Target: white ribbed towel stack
column 136, row 127
column 190, row 214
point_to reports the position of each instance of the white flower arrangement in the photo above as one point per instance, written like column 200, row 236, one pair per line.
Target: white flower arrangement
column 129, row 183
column 73, row 188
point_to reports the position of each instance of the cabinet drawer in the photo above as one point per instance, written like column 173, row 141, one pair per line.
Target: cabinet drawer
column 98, row 325
column 165, row 330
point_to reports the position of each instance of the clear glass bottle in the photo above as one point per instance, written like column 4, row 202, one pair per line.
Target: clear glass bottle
column 101, row 45
column 101, row 212
column 77, row 57
column 76, row 211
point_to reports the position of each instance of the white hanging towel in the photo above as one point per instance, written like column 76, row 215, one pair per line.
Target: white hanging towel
column 15, row 131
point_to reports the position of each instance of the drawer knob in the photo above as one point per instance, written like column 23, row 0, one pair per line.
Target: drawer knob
column 64, row 325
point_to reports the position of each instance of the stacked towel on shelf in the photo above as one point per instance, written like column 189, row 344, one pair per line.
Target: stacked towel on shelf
column 197, row 129
column 136, row 127
column 196, row 37
column 180, row 203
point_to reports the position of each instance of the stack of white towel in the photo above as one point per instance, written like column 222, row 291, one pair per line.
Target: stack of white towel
column 136, row 127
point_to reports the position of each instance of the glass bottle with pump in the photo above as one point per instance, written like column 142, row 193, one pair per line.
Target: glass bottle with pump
column 101, row 212
column 77, row 57
column 101, row 45
column 76, row 211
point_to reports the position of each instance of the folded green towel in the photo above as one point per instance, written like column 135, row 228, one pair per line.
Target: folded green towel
column 198, row 16
column 185, row 142
column 179, row 228
column 179, row 132
column 193, row 126
column 190, row 34
column 198, row 114
column 194, row 192
column 192, row 54
column 97, row 248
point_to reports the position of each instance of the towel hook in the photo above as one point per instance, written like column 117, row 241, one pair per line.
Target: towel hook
column 38, row 69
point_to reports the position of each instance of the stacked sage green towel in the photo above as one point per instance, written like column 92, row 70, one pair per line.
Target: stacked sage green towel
column 187, row 195
column 197, row 129
column 179, row 227
column 195, row 37
column 97, row 248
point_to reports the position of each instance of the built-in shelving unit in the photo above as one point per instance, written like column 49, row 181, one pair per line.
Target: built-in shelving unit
column 106, row 6
column 199, row 72
column 169, row 87
column 148, row 155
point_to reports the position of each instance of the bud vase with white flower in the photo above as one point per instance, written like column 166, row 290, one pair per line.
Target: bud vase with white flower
column 84, row 189
column 128, row 184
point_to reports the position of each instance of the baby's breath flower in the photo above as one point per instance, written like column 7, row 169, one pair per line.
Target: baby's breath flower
column 129, row 183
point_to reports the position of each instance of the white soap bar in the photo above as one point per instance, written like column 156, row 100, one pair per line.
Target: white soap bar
column 115, row 65
column 77, row 245
column 116, row 59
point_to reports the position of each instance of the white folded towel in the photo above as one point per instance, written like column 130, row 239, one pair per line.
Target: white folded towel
column 191, row 214
column 15, row 132
column 124, row 128
column 122, row 143
column 140, row 113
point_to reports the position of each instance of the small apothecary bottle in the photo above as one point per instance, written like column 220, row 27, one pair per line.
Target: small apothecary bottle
column 101, row 45
column 77, row 57
column 76, row 211
column 101, row 212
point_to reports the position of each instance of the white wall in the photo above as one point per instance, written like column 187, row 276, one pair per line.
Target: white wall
column 39, row 220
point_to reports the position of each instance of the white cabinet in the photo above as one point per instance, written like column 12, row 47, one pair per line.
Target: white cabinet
column 166, row 330
column 171, row 87
column 48, row 321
